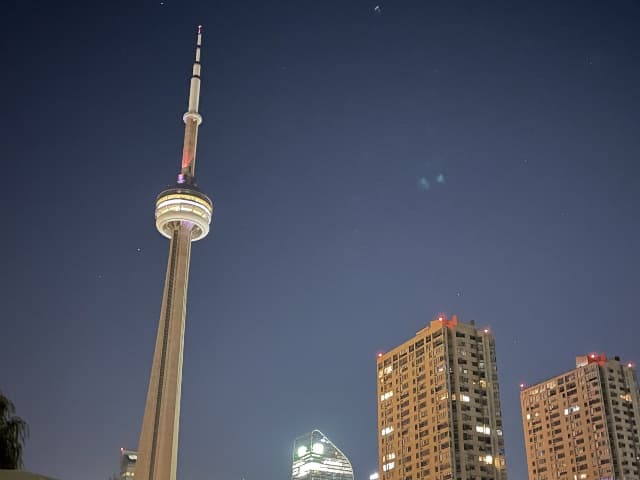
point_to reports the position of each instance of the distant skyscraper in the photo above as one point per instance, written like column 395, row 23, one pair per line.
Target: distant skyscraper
column 183, row 214
column 583, row 424
column 439, row 406
column 316, row 458
column 128, row 460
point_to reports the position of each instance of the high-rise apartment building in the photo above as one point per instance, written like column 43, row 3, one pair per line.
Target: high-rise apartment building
column 315, row 457
column 439, row 406
column 583, row 424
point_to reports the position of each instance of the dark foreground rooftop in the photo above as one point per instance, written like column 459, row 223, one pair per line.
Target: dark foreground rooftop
column 21, row 475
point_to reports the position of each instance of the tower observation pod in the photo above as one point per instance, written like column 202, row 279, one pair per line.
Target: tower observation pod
column 183, row 215
column 183, row 206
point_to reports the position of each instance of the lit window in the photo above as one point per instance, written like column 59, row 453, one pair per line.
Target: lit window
column 483, row 429
column 570, row 410
column 388, row 466
column 488, row 459
column 465, row 398
column 386, row 431
column 386, row 395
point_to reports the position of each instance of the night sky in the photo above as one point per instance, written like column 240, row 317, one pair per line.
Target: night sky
column 371, row 168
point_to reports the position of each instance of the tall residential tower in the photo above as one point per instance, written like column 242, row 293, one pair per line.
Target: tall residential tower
column 439, row 406
column 183, row 214
column 583, row 424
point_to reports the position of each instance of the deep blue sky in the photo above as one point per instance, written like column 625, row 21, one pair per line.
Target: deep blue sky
column 324, row 124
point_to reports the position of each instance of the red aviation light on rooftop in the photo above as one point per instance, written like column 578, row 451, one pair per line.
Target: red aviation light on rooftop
column 595, row 357
column 379, row 354
column 447, row 322
column 523, row 386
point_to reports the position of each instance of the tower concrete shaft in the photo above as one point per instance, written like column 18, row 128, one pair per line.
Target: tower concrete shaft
column 183, row 215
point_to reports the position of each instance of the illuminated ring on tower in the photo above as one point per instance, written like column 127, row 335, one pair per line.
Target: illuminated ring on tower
column 178, row 205
column 195, row 115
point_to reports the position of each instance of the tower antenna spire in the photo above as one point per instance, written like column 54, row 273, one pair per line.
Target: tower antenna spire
column 192, row 119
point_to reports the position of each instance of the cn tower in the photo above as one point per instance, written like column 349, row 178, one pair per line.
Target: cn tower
column 183, row 215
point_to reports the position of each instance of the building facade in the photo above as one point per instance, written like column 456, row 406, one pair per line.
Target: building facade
column 583, row 424
column 439, row 415
column 315, row 457
column 128, row 459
